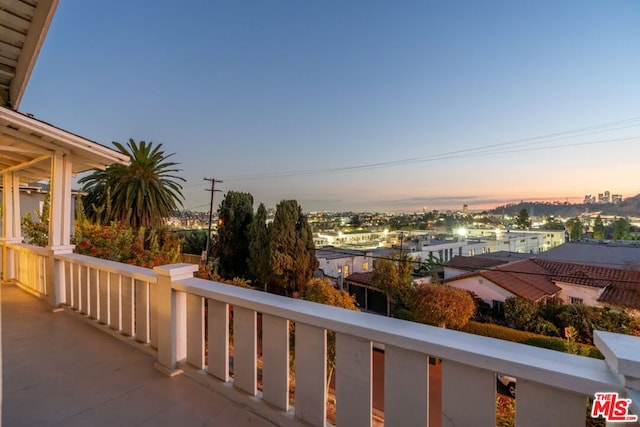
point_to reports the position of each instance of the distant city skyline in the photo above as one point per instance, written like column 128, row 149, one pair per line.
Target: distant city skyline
column 357, row 105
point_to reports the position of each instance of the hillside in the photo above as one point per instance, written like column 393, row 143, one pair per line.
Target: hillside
column 629, row 207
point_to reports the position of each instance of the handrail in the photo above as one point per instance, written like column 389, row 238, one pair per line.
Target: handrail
column 564, row 371
column 127, row 270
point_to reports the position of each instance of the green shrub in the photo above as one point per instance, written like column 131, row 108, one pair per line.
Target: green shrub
column 528, row 338
column 547, row 342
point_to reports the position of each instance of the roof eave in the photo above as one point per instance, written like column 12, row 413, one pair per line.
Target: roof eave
column 35, row 37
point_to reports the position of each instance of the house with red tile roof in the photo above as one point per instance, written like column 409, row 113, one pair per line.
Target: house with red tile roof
column 538, row 280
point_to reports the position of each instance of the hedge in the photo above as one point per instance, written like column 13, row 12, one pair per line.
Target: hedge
column 528, row 338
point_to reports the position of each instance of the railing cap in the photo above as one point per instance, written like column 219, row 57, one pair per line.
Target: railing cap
column 620, row 351
column 175, row 270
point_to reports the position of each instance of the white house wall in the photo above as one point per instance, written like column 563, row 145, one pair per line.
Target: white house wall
column 482, row 288
column 335, row 267
column 588, row 294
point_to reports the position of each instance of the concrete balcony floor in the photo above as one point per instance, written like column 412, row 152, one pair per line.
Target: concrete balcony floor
column 59, row 371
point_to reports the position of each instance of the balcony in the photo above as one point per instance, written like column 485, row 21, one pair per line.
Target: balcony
column 231, row 363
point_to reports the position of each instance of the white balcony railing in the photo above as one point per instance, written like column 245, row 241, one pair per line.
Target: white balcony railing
column 165, row 308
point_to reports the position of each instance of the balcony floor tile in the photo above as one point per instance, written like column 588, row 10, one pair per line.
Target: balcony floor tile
column 58, row 371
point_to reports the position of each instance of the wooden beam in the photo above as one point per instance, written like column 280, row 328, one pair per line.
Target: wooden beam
column 26, row 164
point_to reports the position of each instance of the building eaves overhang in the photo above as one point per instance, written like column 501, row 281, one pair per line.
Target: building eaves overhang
column 23, row 28
column 28, row 144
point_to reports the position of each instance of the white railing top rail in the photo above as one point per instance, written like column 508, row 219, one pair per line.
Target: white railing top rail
column 32, row 248
column 565, row 371
column 127, row 270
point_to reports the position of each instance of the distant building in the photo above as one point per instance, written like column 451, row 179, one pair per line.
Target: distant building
column 465, row 209
column 439, row 249
column 616, row 199
column 352, row 239
column 339, row 263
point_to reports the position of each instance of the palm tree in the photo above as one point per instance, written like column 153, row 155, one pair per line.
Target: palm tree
column 142, row 193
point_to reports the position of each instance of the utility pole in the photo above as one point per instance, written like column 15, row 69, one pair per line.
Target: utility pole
column 213, row 182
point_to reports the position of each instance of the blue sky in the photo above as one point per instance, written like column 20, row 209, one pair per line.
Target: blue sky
column 244, row 90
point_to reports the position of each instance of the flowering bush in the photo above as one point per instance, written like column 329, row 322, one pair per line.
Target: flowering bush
column 119, row 242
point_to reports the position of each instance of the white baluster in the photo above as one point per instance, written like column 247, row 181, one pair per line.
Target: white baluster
column 311, row 374
column 244, row 349
column 142, row 310
column 353, row 381
column 128, row 312
column 468, row 395
column 541, row 405
column 406, row 387
column 275, row 361
column 115, row 301
column 195, row 331
column 218, row 340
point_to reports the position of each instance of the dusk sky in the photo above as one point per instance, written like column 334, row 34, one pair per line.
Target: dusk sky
column 358, row 105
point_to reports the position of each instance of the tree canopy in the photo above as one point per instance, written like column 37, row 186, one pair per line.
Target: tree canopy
column 522, row 219
column 621, row 229
column 394, row 276
column 235, row 214
column 291, row 249
column 575, row 228
column 258, row 262
column 143, row 193
column 598, row 228
column 442, row 305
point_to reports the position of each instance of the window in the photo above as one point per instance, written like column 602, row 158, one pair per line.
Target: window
column 576, row 301
column 346, row 270
column 498, row 308
column 365, row 265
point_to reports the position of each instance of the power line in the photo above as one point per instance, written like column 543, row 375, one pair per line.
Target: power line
column 580, row 132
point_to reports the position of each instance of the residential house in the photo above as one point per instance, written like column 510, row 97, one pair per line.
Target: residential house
column 622, row 255
column 466, row 264
column 339, row 263
column 524, row 279
column 538, row 280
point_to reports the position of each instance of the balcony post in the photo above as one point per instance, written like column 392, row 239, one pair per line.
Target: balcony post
column 622, row 356
column 11, row 231
column 171, row 317
column 59, row 227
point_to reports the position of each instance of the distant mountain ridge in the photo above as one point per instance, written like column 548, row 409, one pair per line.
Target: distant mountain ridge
column 628, row 207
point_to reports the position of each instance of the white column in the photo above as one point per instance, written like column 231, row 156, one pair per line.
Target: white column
column 59, row 225
column 10, row 222
column 171, row 317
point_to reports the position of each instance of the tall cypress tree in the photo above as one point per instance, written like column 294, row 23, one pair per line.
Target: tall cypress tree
column 293, row 258
column 258, row 262
column 235, row 214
